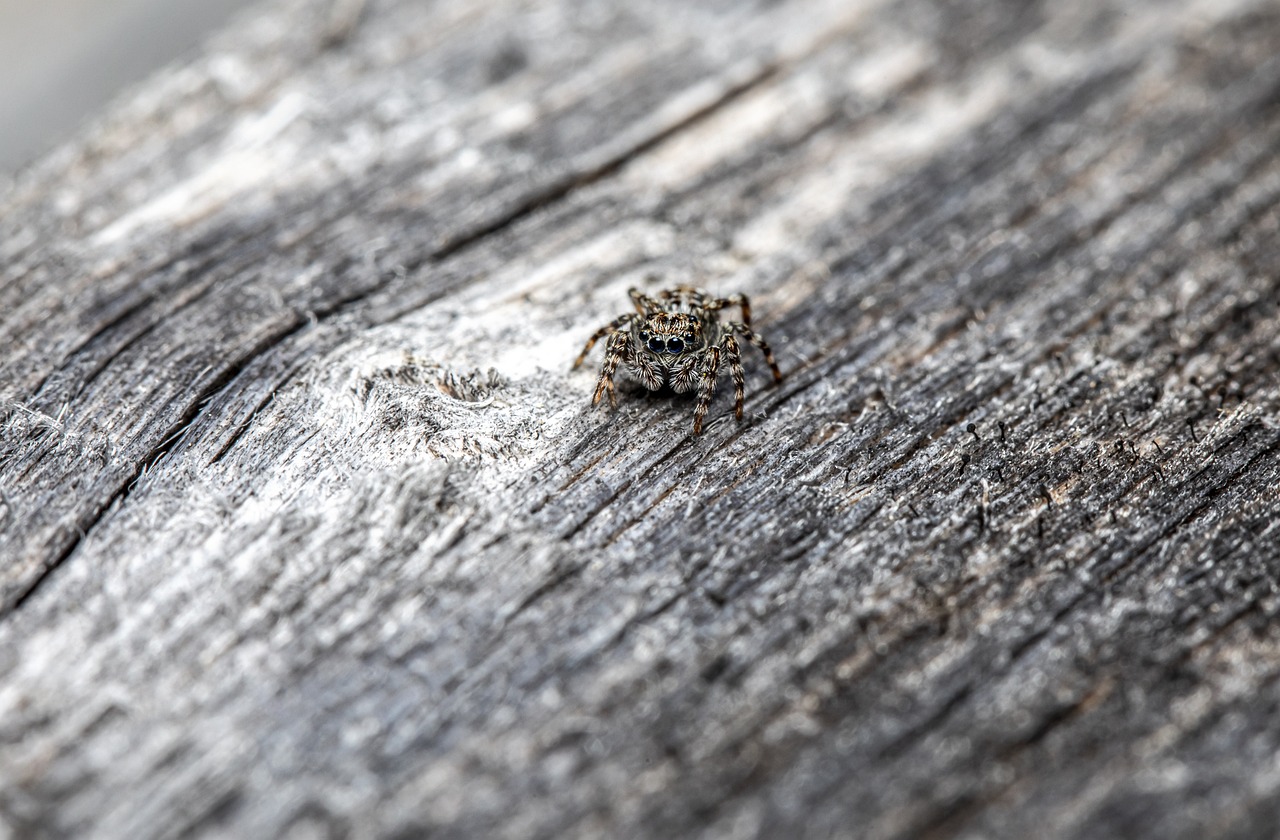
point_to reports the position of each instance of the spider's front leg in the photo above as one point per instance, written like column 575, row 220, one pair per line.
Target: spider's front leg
column 614, row 351
column 614, row 326
column 707, row 389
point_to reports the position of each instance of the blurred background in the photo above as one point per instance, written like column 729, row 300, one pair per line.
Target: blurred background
column 62, row 60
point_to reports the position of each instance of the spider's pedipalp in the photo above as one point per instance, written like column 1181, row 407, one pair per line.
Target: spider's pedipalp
column 683, row 375
column 645, row 368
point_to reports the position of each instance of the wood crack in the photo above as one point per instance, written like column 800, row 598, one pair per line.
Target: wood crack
column 121, row 493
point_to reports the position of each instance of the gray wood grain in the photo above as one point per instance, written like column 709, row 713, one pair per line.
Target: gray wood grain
column 308, row 529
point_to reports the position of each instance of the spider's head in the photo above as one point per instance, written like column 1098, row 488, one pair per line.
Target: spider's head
column 671, row 333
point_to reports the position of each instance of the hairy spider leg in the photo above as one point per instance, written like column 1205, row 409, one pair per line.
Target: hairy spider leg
column 644, row 304
column 733, row 356
column 758, row 340
column 707, row 390
column 740, row 301
column 613, row 326
column 614, row 351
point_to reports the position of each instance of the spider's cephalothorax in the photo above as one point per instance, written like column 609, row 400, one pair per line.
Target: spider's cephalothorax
column 677, row 340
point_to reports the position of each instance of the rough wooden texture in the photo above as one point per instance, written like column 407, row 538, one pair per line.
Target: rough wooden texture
column 309, row 531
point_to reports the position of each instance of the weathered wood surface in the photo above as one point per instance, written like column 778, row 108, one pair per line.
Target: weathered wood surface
column 308, row 530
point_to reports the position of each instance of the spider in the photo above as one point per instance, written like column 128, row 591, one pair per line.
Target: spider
column 677, row 340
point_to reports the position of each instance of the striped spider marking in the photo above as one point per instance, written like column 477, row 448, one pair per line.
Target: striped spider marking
column 677, row 340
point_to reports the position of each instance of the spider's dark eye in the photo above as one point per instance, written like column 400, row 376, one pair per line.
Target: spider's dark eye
column 674, row 345
column 655, row 344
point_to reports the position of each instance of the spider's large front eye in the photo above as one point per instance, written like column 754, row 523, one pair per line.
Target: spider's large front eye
column 655, row 344
column 675, row 345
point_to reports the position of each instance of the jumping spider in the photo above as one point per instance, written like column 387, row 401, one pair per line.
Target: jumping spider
column 677, row 340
